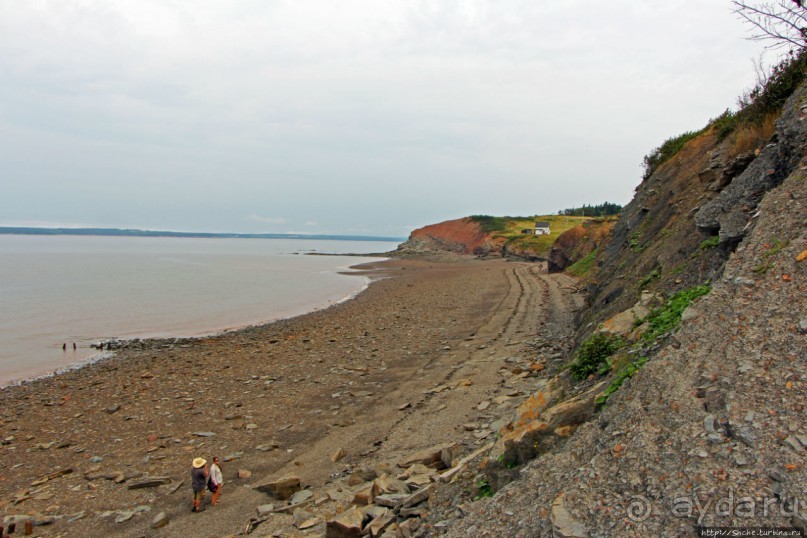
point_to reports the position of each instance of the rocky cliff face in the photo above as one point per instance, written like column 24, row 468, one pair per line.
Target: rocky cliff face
column 707, row 428
column 461, row 236
column 575, row 244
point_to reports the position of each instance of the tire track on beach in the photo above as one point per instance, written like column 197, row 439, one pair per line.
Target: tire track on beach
column 511, row 309
column 512, row 306
column 438, row 406
column 491, row 331
column 533, row 300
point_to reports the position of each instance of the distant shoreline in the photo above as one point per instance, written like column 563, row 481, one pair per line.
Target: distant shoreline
column 116, row 232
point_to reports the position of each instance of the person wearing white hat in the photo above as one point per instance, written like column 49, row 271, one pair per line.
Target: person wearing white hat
column 199, row 476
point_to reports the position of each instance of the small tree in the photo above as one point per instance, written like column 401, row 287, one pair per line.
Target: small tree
column 783, row 23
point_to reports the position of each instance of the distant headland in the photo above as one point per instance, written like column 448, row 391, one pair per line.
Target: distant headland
column 115, row 232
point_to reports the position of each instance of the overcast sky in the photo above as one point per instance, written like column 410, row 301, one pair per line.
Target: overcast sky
column 368, row 117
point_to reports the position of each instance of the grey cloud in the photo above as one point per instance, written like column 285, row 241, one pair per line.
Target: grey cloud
column 353, row 115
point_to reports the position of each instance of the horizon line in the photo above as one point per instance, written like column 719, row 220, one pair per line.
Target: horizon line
column 135, row 232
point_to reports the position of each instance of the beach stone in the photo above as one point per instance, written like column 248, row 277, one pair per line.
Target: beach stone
column 521, row 445
column 265, row 509
column 77, row 516
column 172, row 488
column 409, row 527
column 309, row 523
column 360, row 476
column 244, row 474
column 301, row 515
column 204, row 434
column 419, row 480
column 390, row 501
column 338, row 455
column 575, row 410
column 348, row 524
column 301, row 496
column 160, row 521
column 268, row 447
column 364, row 495
column 384, row 468
column 124, row 516
column 94, row 476
column 115, row 476
column 430, row 457
column 793, row 442
column 130, row 475
column 418, row 497
column 563, row 524
column 150, row 482
column 232, row 457
column 387, row 484
column 417, row 469
column 113, row 409
column 380, row 523
column 282, row 489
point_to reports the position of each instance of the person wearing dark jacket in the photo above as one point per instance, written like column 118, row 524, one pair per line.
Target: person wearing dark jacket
column 199, row 476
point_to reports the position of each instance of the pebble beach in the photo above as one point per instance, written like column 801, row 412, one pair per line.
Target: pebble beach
column 79, row 448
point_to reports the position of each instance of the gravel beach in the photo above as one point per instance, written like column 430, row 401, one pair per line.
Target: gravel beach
column 102, row 450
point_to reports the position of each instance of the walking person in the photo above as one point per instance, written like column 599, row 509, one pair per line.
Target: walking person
column 199, row 476
column 216, row 481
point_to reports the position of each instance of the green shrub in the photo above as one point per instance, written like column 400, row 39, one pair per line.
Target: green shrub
column 664, row 152
column 770, row 95
column 724, row 124
column 655, row 274
column 667, row 317
column 624, row 373
column 712, row 242
column 767, row 261
column 766, row 98
column 635, row 243
column 483, row 489
column 593, row 352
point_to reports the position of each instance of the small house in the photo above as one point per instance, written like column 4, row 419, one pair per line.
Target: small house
column 541, row 228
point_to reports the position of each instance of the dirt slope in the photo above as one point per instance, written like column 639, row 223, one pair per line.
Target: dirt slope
column 461, row 236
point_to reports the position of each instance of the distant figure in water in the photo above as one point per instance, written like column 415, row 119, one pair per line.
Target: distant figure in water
column 64, row 346
column 74, row 346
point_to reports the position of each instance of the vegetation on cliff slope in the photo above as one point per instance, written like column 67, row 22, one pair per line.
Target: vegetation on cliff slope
column 516, row 242
column 752, row 124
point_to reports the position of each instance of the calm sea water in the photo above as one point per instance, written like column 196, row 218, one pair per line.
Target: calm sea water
column 65, row 289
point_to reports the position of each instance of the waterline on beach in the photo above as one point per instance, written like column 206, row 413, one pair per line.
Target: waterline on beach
column 86, row 290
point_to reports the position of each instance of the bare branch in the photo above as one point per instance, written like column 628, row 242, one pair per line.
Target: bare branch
column 783, row 22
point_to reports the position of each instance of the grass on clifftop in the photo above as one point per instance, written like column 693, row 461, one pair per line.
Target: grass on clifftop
column 510, row 228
